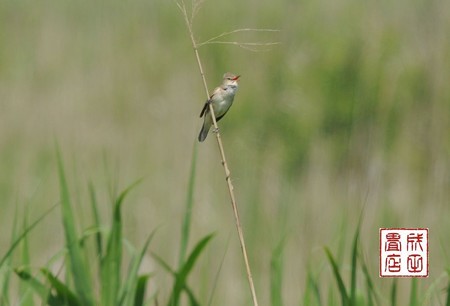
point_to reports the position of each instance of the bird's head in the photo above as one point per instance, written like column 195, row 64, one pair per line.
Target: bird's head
column 230, row 79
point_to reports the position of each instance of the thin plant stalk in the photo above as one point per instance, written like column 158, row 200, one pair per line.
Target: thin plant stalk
column 222, row 154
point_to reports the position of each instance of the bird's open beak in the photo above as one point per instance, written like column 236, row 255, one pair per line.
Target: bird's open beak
column 236, row 78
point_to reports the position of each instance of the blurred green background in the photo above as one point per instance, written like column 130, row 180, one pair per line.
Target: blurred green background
column 350, row 113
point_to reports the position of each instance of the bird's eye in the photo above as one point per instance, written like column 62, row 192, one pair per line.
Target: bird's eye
column 229, row 79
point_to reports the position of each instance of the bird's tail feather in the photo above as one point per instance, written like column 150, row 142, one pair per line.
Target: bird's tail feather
column 203, row 133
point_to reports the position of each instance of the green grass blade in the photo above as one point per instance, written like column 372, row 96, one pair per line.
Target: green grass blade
column 40, row 289
column 276, row 275
column 192, row 300
column 80, row 275
column 127, row 296
column 181, row 276
column 111, row 262
column 413, row 299
column 371, row 293
column 94, row 207
column 216, row 278
column 447, row 303
column 63, row 293
column 171, row 271
column 163, row 264
column 140, row 290
column 344, row 296
column 353, row 273
column 23, row 236
column 24, row 233
column 394, row 292
column 26, row 298
column 187, row 267
column 5, row 275
column 311, row 288
column 433, row 292
column 185, row 228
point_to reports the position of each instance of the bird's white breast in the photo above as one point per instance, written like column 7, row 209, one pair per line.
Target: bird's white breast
column 224, row 102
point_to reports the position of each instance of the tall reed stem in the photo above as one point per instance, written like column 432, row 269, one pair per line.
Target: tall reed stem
column 222, row 155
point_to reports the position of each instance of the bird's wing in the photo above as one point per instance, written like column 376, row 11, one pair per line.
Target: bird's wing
column 206, row 106
column 205, row 109
column 218, row 118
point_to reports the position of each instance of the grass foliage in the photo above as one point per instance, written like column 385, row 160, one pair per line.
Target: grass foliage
column 79, row 288
column 114, row 289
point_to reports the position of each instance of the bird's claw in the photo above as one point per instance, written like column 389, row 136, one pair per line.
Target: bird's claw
column 215, row 130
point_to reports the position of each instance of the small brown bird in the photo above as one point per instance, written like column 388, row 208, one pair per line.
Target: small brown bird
column 221, row 100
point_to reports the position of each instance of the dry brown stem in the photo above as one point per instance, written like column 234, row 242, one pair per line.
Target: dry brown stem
column 189, row 20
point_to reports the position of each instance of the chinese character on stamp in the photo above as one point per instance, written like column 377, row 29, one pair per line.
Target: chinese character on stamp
column 403, row 252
